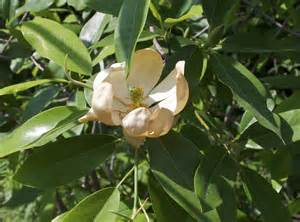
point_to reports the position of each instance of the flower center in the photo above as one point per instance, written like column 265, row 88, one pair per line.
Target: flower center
column 136, row 96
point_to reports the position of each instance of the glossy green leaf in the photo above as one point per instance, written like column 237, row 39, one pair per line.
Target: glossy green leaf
column 109, row 40
column 248, row 91
column 290, row 103
column 35, row 6
column 196, row 10
column 267, row 139
column 99, row 206
column 53, row 41
column 265, row 198
column 77, row 4
column 102, row 6
column 27, row 85
column 8, row 8
column 92, row 31
column 173, row 161
column 164, row 207
column 219, row 12
column 41, row 128
column 170, row 9
column 105, row 52
column 131, row 21
column 40, row 101
column 65, row 160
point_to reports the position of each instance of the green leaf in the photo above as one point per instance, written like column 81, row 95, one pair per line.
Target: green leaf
column 113, row 7
column 40, row 100
column 105, row 52
column 44, row 126
column 35, row 6
column 196, row 135
column 164, row 207
column 227, row 211
column 77, row 4
column 294, row 207
column 267, row 139
column 131, row 21
column 195, row 68
column 109, row 40
column 92, row 31
column 170, row 9
column 248, row 91
column 8, row 8
column 196, row 10
column 185, row 53
column 290, row 103
column 99, row 206
column 219, row 12
column 259, row 42
column 53, row 41
column 282, row 82
column 12, row 89
column 215, row 166
column 65, row 160
column 265, row 198
column 174, row 168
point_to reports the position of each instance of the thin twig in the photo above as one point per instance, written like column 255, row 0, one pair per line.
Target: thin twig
column 37, row 64
column 156, row 43
column 68, row 75
column 143, row 209
column 140, row 209
column 201, row 32
column 274, row 22
column 59, row 203
column 125, row 177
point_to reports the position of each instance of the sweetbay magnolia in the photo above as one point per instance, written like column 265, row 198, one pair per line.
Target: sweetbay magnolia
column 141, row 106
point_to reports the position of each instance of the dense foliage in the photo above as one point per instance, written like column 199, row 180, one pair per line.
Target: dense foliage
column 232, row 155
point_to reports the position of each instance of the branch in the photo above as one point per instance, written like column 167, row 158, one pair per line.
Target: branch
column 274, row 22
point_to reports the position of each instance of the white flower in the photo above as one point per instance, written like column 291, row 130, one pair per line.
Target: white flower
column 141, row 106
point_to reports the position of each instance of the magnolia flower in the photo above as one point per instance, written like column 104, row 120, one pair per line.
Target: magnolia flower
column 141, row 106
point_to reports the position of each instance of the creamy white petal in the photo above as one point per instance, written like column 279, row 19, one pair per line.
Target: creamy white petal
column 136, row 123
column 116, row 76
column 136, row 142
column 173, row 92
column 147, row 66
column 101, row 76
column 166, row 87
column 102, row 103
column 178, row 100
column 161, row 121
column 90, row 116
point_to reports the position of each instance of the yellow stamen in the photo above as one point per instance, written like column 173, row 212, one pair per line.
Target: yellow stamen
column 136, row 96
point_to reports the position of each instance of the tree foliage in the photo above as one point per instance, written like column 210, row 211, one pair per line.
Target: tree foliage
column 232, row 154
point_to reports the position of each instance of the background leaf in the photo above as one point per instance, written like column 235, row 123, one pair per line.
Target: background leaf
column 131, row 21
column 38, row 126
column 77, row 157
column 248, row 90
column 99, row 204
column 51, row 40
column 265, row 198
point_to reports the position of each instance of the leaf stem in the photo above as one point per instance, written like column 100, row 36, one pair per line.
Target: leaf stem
column 68, row 75
column 125, row 177
column 135, row 200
